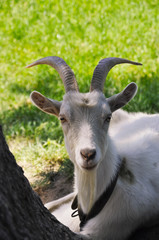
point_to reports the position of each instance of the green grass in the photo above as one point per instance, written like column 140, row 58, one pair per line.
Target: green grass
column 81, row 32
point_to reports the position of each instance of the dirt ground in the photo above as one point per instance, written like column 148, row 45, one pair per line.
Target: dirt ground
column 58, row 187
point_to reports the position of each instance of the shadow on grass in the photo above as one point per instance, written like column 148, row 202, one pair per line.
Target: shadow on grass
column 28, row 121
column 18, row 89
column 147, row 97
column 48, row 178
column 44, row 82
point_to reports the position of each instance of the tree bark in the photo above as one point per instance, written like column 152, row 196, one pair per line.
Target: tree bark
column 24, row 217
column 22, row 214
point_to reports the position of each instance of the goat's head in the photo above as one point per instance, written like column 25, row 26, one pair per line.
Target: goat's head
column 84, row 117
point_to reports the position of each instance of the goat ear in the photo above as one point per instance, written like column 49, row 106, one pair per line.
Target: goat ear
column 45, row 104
column 119, row 100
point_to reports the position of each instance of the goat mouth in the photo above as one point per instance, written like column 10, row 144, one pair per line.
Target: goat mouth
column 89, row 167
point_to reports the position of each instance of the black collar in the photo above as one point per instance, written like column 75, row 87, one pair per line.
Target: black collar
column 98, row 205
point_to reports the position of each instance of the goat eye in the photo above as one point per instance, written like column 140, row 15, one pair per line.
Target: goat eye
column 62, row 119
column 108, row 119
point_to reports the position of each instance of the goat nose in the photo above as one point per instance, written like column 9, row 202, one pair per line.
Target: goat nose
column 88, row 154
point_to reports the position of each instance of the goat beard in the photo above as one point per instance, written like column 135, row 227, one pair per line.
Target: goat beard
column 87, row 188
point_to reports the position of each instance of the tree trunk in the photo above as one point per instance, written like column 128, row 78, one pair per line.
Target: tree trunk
column 22, row 214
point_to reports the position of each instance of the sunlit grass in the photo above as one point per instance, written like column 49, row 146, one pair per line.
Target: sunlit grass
column 81, row 32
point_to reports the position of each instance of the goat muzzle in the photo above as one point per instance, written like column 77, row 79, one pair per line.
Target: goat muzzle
column 88, row 154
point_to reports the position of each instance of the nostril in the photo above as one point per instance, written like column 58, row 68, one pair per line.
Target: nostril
column 88, row 154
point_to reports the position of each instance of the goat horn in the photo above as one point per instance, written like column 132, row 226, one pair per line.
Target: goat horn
column 62, row 68
column 102, row 69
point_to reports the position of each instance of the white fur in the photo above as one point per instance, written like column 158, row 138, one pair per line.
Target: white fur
column 133, row 137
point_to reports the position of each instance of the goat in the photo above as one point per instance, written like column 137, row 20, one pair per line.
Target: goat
column 115, row 156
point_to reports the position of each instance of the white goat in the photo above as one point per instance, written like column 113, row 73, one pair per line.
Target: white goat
column 116, row 162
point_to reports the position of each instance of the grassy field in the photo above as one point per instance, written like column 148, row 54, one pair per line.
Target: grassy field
column 81, row 32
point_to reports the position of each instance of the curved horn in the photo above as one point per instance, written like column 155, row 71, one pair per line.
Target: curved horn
column 62, row 68
column 102, row 70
